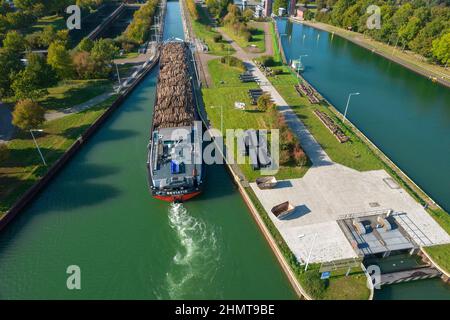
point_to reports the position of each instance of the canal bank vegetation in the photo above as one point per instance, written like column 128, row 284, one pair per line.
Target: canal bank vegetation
column 22, row 166
column 138, row 30
column 337, row 287
column 423, row 28
column 440, row 255
column 204, row 31
column 237, row 26
column 220, row 99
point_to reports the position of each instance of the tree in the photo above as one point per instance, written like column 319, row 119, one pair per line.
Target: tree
column 33, row 81
column 28, row 114
column 9, row 64
column 441, row 48
column 84, row 65
column 409, row 31
column 85, row 45
column 104, row 50
column 60, row 60
column 14, row 42
column 279, row 4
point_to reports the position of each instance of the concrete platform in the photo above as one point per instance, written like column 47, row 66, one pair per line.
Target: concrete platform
column 329, row 191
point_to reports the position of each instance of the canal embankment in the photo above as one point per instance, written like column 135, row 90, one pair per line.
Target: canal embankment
column 407, row 60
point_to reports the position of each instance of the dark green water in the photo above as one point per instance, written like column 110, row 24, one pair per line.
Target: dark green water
column 404, row 114
column 98, row 214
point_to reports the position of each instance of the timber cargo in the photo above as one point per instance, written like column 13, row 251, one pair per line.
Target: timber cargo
column 175, row 167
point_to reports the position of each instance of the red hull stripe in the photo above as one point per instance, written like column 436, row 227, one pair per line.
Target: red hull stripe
column 182, row 198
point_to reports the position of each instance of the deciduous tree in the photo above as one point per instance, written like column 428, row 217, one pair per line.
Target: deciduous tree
column 28, row 115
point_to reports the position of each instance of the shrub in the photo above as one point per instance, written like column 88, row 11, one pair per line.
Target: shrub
column 268, row 61
column 277, row 71
column 264, row 102
column 217, row 38
column 233, row 62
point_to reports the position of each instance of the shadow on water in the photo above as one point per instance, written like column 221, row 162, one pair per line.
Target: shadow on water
column 62, row 197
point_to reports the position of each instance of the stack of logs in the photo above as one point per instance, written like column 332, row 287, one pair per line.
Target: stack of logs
column 174, row 105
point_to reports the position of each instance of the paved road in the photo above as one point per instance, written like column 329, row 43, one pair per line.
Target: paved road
column 6, row 127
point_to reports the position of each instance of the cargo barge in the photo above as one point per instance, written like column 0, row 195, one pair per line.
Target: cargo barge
column 175, row 166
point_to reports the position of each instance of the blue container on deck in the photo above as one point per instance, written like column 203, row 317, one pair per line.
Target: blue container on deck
column 174, row 167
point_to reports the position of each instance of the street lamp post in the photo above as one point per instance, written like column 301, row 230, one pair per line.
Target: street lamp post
column 348, row 102
column 310, row 251
column 37, row 146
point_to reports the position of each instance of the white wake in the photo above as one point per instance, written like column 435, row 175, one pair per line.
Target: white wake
column 197, row 257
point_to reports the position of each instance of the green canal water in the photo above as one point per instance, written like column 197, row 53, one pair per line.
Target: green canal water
column 98, row 214
column 406, row 115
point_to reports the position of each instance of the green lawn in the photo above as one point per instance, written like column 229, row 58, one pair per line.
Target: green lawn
column 24, row 167
column 225, row 95
column 74, row 92
column 354, row 153
column 257, row 40
column 205, row 32
column 440, row 255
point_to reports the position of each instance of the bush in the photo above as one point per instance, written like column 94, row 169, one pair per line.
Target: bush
column 268, row 61
column 233, row 62
column 264, row 102
column 28, row 114
column 217, row 38
column 277, row 71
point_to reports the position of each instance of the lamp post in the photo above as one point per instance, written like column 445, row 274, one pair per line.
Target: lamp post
column 348, row 102
column 37, row 146
column 310, row 251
